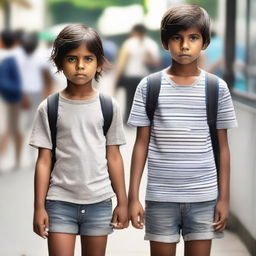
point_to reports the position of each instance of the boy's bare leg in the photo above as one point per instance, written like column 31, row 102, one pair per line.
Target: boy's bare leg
column 162, row 249
column 198, row 248
column 93, row 245
column 60, row 244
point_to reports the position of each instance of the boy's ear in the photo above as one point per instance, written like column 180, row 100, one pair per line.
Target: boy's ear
column 205, row 45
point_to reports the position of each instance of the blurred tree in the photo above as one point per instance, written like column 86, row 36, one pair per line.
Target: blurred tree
column 85, row 11
column 211, row 6
column 101, row 4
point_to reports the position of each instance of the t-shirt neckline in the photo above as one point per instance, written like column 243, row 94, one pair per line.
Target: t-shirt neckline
column 164, row 73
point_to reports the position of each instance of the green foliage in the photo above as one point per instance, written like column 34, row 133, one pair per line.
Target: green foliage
column 210, row 6
column 97, row 4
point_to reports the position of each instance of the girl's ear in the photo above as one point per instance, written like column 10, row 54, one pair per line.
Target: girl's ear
column 99, row 69
column 165, row 46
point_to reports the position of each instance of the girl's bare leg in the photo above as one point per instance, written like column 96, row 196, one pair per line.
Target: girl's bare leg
column 60, row 244
column 93, row 245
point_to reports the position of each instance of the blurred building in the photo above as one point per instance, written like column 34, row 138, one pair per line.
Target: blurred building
column 240, row 66
column 23, row 14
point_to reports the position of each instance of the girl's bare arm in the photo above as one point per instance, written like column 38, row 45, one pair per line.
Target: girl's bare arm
column 116, row 173
column 41, row 185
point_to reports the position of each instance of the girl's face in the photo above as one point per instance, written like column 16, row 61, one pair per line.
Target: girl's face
column 185, row 46
column 80, row 66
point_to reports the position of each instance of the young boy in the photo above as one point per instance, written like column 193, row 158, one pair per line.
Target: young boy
column 183, row 193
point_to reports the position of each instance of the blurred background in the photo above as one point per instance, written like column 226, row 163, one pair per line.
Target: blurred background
column 28, row 29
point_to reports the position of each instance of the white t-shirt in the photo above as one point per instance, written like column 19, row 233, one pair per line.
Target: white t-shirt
column 32, row 71
column 181, row 166
column 80, row 174
column 137, row 52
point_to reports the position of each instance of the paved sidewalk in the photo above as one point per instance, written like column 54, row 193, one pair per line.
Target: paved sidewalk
column 17, row 238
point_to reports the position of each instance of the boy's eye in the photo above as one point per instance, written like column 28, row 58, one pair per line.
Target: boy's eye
column 71, row 59
column 193, row 37
column 176, row 38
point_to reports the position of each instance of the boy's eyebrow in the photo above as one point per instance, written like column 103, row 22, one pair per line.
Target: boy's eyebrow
column 73, row 55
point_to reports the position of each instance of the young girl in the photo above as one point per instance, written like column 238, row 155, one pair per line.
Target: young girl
column 74, row 197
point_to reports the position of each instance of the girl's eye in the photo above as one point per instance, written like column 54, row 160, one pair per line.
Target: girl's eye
column 71, row 59
column 88, row 59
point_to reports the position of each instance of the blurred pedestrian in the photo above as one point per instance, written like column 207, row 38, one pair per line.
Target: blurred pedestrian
column 37, row 81
column 138, row 55
column 11, row 92
column 88, row 170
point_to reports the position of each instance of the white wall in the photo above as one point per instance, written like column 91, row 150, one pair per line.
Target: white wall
column 242, row 142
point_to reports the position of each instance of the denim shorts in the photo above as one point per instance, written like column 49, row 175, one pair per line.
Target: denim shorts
column 81, row 219
column 165, row 221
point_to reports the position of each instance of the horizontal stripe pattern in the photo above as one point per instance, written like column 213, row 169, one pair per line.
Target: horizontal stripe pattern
column 181, row 165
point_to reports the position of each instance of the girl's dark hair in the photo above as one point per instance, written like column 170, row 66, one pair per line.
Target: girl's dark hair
column 72, row 37
column 183, row 17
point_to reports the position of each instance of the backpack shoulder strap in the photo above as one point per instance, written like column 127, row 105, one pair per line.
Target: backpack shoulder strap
column 212, row 96
column 153, row 89
column 107, row 111
column 52, row 113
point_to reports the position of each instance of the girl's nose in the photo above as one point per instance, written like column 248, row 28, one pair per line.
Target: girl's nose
column 80, row 64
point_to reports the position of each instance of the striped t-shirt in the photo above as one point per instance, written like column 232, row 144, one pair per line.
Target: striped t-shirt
column 181, row 166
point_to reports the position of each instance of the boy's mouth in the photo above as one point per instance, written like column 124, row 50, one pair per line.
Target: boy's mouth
column 184, row 55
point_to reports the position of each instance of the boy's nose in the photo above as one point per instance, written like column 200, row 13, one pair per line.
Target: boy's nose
column 184, row 45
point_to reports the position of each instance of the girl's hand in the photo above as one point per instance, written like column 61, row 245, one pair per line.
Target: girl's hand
column 120, row 217
column 136, row 214
column 41, row 222
column 221, row 215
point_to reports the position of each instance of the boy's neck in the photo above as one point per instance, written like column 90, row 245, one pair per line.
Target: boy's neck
column 183, row 74
column 183, row 70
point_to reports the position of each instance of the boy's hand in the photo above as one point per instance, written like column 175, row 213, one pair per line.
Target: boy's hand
column 136, row 214
column 41, row 223
column 120, row 217
column 221, row 215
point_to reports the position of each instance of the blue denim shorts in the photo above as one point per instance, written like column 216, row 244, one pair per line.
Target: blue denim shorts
column 165, row 221
column 86, row 220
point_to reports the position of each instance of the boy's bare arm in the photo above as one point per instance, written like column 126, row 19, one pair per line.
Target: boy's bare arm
column 139, row 156
column 222, row 207
column 41, row 183
column 116, row 173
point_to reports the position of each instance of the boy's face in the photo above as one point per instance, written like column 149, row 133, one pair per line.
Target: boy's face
column 186, row 45
column 80, row 65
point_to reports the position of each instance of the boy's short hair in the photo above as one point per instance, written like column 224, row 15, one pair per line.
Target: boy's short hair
column 183, row 17
column 71, row 37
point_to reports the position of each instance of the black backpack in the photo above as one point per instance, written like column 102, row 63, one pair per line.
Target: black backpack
column 52, row 112
column 212, row 95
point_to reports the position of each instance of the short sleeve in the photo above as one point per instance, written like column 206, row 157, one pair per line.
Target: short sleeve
column 226, row 117
column 40, row 134
column 138, row 115
column 115, row 134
